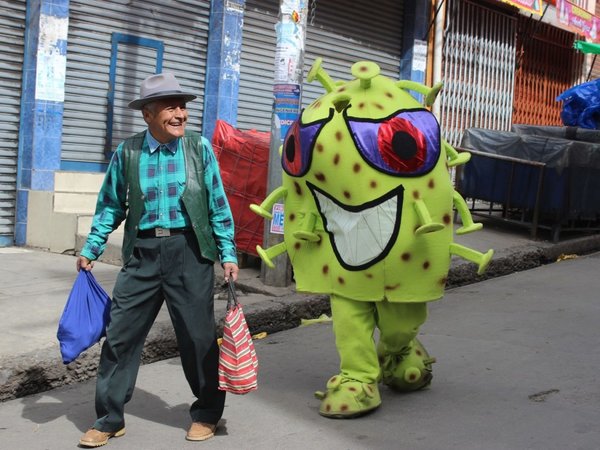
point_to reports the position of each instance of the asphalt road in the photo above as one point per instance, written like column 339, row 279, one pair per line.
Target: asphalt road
column 517, row 368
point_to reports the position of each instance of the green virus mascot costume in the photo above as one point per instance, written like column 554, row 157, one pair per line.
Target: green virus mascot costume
column 368, row 213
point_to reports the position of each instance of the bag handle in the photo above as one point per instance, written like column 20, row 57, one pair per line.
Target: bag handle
column 232, row 300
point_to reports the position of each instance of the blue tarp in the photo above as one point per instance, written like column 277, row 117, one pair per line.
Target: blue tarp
column 581, row 107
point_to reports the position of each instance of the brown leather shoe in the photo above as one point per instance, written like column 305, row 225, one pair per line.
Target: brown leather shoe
column 97, row 438
column 200, row 431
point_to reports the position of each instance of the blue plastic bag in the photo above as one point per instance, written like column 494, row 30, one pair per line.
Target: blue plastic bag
column 85, row 317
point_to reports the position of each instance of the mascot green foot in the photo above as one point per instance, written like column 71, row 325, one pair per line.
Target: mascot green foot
column 409, row 370
column 346, row 398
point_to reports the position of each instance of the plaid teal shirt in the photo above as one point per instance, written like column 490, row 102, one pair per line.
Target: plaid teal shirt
column 162, row 179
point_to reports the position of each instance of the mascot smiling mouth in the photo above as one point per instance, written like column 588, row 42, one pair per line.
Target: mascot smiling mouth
column 361, row 235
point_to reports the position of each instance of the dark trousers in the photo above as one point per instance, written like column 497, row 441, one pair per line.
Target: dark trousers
column 171, row 269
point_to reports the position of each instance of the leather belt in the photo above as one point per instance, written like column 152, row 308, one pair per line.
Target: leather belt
column 162, row 232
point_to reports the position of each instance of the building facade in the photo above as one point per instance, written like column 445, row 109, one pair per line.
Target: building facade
column 71, row 66
column 503, row 66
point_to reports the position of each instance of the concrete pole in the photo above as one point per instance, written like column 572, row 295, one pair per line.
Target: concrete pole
column 438, row 45
column 287, row 102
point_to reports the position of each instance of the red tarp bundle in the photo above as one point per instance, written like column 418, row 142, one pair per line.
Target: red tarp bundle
column 244, row 160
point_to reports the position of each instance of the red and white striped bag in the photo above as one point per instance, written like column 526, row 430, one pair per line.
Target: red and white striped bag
column 238, row 365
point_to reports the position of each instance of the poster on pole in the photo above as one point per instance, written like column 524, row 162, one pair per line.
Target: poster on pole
column 419, row 59
column 52, row 59
column 287, row 105
column 289, row 51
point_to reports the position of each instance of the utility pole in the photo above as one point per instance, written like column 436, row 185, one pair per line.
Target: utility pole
column 287, row 102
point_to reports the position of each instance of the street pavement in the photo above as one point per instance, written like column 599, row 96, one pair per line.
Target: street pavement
column 34, row 286
column 517, row 368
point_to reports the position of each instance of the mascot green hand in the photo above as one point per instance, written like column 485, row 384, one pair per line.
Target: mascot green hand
column 368, row 203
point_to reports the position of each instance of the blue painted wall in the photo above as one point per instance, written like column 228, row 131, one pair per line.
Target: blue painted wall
column 41, row 119
column 223, row 64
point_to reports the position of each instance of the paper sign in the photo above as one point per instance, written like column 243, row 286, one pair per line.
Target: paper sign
column 277, row 221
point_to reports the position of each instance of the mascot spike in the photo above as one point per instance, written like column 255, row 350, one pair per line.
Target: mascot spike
column 427, row 225
column 317, row 72
column 270, row 253
column 468, row 226
column 306, row 231
column 455, row 158
column 481, row 259
column 264, row 209
column 430, row 93
column 365, row 71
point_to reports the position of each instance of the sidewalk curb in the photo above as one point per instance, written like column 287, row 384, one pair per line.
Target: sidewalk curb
column 518, row 259
column 43, row 370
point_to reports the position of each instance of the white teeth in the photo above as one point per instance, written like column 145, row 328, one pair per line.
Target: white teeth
column 360, row 237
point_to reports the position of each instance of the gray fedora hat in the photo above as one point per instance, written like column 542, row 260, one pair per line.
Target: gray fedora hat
column 161, row 85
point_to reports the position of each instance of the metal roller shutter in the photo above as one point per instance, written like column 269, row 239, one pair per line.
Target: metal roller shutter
column 335, row 35
column 12, row 27
column 549, row 65
column 180, row 25
column 478, row 69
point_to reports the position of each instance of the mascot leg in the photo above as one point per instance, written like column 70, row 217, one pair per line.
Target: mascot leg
column 405, row 364
column 354, row 391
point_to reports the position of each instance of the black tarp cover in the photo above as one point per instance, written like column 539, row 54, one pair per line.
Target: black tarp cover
column 571, row 177
column 539, row 145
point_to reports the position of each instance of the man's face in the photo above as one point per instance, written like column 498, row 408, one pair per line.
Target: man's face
column 166, row 119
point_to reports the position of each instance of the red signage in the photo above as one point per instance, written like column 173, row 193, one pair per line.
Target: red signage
column 578, row 20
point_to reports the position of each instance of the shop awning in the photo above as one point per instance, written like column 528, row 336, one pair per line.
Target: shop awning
column 587, row 47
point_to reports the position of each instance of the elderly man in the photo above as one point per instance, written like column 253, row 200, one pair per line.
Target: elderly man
column 165, row 183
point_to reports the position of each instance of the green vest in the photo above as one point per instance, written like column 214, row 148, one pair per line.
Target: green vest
column 194, row 195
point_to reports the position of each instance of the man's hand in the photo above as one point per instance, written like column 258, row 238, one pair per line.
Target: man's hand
column 84, row 263
column 230, row 270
